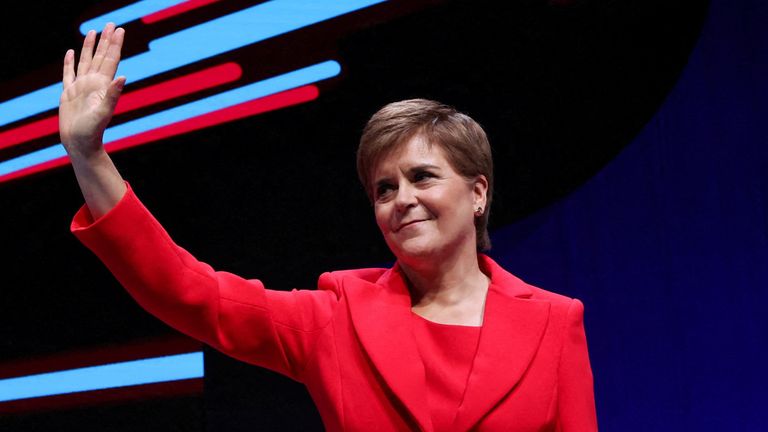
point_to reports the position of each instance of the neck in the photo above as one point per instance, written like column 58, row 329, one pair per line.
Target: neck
column 446, row 282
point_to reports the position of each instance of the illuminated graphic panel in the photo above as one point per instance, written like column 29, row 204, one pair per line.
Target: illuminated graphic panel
column 186, row 72
column 166, row 54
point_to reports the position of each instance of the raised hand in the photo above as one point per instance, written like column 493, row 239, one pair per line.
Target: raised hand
column 90, row 94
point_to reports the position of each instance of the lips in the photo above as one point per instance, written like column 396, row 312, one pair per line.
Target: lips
column 409, row 223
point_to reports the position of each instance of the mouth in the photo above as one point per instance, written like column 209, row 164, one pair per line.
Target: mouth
column 407, row 224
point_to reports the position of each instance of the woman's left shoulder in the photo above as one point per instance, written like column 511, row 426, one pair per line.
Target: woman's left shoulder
column 551, row 296
column 516, row 286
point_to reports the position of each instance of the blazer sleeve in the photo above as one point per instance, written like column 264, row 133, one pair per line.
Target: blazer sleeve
column 576, row 402
column 273, row 329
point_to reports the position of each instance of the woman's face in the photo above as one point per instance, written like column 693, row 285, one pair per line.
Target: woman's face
column 424, row 208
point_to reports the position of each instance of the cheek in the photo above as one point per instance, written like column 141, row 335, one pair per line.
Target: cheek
column 445, row 203
column 380, row 215
column 455, row 207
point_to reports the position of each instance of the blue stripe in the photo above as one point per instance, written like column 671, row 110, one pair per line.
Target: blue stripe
column 287, row 81
column 32, row 158
column 206, row 40
column 130, row 373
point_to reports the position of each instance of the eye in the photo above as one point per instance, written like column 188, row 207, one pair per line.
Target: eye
column 383, row 190
column 422, row 176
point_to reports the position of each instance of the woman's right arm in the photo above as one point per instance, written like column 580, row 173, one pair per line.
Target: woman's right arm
column 240, row 317
column 274, row 329
column 87, row 103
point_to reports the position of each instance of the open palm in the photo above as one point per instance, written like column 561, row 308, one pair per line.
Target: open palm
column 90, row 94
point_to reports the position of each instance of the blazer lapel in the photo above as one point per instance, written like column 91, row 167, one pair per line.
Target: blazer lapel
column 512, row 330
column 381, row 316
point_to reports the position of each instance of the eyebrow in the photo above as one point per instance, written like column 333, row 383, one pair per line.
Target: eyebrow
column 423, row 167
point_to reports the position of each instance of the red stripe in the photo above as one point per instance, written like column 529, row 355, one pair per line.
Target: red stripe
column 175, row 10
column 37, row 129
column 188, row 387
column 135, row 350
column 245, row 109
column 184, row 85
column 250, row 108
column 173, row 88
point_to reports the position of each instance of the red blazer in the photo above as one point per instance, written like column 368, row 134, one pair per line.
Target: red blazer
column 350, row 341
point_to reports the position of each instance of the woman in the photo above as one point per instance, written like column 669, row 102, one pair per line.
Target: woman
column 446, row 340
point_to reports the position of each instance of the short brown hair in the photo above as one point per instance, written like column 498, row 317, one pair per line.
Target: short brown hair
column 458, row 135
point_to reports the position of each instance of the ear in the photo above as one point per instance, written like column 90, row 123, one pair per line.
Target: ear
column 480, row 191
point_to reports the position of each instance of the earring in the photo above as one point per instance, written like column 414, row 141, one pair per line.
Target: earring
column 479, row 211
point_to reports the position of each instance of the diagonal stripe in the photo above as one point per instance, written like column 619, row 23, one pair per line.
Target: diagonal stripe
column 175, row 10
column 246, row 109
column 30, row 131
column 229, row 98
column 267, row 87
column 167, row 90
column 128, row 13
column 196, row 43
column 130, row 373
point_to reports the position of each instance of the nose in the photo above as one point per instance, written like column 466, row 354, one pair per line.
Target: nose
column 406, row 197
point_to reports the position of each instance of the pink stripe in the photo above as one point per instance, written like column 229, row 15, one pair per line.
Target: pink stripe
column 175, row 10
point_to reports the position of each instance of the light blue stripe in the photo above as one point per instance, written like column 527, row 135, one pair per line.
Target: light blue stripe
column 229, row 98
column 206, row 40
column 32, row 158
column 287, row 81
column 127, row 14
column 136, row 372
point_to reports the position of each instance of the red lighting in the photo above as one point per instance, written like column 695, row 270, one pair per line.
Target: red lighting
column 173, row 88
column 245, row 109
column 175, row 10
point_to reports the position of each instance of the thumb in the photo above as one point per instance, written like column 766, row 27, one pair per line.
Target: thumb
column 114, row 91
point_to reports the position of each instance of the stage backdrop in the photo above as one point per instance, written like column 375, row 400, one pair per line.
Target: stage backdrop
column 630, row 145
column 668, row 246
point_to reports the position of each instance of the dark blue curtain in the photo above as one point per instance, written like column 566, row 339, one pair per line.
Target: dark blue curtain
column 668, row 246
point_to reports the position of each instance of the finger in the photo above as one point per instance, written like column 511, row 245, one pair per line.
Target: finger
column 112, row 56
column 86, row 54
column 68, row 77
column 113, row 92
column 101, row 49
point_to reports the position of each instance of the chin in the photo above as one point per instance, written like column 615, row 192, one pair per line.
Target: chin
column 412, row 251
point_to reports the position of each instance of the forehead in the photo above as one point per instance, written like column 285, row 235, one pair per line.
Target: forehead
column 415, row 151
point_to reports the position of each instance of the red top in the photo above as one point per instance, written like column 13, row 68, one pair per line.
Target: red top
column 352, row 341
column 447, row 352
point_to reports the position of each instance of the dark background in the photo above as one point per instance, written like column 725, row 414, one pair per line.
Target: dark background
column 665, row 243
